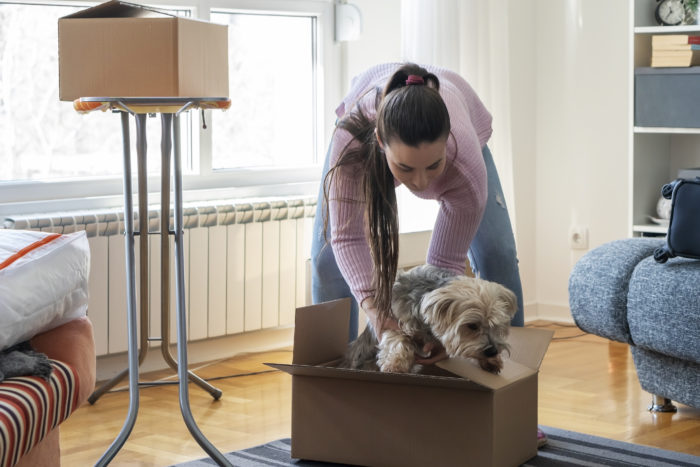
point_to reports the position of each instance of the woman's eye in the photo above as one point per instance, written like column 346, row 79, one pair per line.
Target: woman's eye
column 405, row 169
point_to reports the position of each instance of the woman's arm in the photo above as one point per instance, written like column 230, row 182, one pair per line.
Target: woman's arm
column 455, row 228
column 346, row 222
column 462, row 203
column 348, row 236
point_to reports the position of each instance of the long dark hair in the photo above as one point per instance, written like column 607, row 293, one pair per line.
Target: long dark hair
column 412, row 114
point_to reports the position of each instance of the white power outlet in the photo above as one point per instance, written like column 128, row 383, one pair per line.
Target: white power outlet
column 578, row 237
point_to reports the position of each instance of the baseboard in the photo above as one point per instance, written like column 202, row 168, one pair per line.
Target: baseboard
column 202, row 351
column 548, row 312
column 265, row 340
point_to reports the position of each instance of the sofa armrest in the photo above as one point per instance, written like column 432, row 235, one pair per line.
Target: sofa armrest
column 72, row 343
column 599, row 284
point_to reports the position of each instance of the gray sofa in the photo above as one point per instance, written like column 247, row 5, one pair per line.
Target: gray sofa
column 619, row 292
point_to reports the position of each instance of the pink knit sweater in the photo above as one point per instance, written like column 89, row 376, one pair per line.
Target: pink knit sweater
column 460, row 190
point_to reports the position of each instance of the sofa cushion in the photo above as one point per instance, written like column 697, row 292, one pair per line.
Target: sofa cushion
column 663, row 307
column 598, row 286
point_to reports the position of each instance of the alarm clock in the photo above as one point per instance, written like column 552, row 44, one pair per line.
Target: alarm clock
column 670, row 12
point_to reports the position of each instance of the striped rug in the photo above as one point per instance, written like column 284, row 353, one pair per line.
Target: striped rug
column 565, row 448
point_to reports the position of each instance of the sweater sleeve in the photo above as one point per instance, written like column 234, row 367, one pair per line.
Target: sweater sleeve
column 463, row 189
column 462, row 205
column 455, row 228
column 346, row 210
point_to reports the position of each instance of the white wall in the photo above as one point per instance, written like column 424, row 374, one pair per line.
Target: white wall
column 381, row 37
column 581, row 114
column 522, row 27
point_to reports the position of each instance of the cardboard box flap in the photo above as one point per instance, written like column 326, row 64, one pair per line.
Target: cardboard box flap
column 119, row 9
column 321, row 332
column 528, row 345
column 512, row 371
column 379, row 377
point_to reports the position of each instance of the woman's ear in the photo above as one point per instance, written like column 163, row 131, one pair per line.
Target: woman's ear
column 379, row 141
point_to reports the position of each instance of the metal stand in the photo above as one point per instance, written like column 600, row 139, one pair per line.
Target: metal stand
column 170, row 110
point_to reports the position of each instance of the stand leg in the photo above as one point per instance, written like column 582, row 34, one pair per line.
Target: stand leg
column 143, row 270
column 99, row 392
column 166, row 147
column 130, row 285
column 180, row 297
column 141, row 162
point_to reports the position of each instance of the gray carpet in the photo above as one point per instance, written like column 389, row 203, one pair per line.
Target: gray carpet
column 565, row 448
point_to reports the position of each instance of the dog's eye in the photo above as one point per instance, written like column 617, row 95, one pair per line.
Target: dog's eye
column 473, row 326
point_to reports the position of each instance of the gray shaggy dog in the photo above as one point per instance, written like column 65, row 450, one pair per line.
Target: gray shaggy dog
column 469, row 317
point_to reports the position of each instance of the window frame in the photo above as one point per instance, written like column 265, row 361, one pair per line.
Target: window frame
column 202, row 182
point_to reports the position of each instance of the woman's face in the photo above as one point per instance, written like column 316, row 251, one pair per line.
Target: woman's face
column 416, row 166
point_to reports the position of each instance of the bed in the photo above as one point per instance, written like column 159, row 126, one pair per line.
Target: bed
column 43, row 300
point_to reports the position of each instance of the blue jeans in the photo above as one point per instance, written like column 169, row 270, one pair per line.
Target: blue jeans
column 492, row 253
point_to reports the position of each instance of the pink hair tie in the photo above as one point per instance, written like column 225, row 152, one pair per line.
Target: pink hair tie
column 414, row 79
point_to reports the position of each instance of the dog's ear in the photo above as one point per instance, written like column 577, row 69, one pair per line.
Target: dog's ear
column 510, row 300
column 435, row 305
column 433, row 302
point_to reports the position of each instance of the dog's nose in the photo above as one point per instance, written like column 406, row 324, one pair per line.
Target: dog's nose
column 490, row 351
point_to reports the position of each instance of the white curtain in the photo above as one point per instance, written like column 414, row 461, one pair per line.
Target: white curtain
column 470, row 37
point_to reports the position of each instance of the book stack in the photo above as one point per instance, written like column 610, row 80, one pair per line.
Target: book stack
column 675, row 50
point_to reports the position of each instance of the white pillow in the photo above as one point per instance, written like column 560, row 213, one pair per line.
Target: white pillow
column 43, row 282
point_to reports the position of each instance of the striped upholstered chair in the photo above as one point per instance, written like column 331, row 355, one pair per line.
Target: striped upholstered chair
column 31, row 409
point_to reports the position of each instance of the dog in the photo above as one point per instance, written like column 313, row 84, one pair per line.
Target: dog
column 468, row 316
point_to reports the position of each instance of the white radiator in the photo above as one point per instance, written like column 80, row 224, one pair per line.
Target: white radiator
column 245, row 266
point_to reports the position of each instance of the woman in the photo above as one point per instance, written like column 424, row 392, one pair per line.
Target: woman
column 427, row 129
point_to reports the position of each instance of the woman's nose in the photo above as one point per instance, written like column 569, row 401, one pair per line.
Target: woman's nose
column 421, row 180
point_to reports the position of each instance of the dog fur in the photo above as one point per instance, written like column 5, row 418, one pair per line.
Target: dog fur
column 469, row 317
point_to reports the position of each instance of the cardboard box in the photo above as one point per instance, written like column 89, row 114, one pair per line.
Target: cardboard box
column 118, row 49
column 456, row 415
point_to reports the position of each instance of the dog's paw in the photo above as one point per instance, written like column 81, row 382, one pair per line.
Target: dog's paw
column 492, row 364
column 394, row 362
column 395, row 366
column 396, row 353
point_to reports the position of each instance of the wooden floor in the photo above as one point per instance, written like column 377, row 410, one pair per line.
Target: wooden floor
column 587, row 384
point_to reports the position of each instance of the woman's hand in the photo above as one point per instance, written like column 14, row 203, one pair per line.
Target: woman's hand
column 389, row 323
column 434, row 352
column 373, row 316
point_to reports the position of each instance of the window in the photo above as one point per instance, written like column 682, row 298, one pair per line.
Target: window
column 275, row 86
column 42, row 138
column 272, row 134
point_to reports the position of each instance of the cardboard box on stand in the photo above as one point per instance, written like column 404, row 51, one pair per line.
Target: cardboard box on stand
column 455, row 415
column 119, row 49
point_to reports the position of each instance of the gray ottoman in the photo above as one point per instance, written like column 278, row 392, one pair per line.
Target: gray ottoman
column 619, row 292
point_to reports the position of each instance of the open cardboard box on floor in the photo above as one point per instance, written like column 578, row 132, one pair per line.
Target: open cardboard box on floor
column 456, row 415
column 119, row 49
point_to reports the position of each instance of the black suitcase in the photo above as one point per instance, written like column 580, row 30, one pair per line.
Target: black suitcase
column 683, row 238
